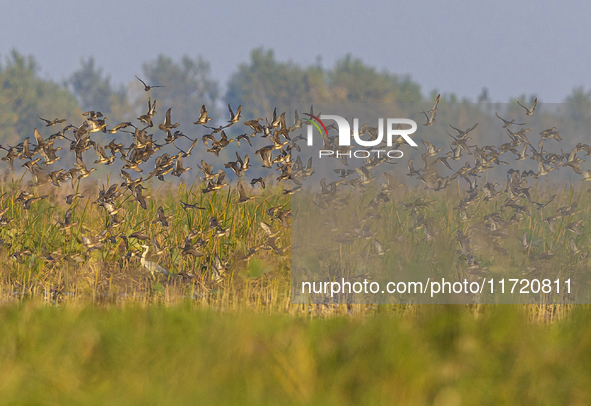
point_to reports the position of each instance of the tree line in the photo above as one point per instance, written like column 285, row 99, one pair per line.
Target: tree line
column 259, row 86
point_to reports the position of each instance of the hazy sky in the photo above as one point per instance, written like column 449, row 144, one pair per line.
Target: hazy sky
column 456, row 46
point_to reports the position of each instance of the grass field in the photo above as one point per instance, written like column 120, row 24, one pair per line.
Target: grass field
column 447, row 355
column 91, row 326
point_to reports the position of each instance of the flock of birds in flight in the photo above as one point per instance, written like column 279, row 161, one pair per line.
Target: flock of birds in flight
column 277, row 153
column 40, row 156
column 494, row 231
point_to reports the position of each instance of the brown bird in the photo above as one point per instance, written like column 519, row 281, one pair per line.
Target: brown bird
column 255, row 125
column 70, row 198
column 431, row 150
column 507, row 123
column 207, row 171
column 146, row 87
column 52, row 122
column 139, row 235
column 430, row 115
column 191, row 206
column 67, row 223
column 234, row 118
column 267, row 229
column 189, row 249
column 167, row 124
column 464, row 134
column 94, row 243
column 178, row 166
column 102, row 156
column 218, row 184
column 258, row 180
column 242, row 194
column 529, row 111
column 83, row 172
column 56, row 177
column 120, row 126
column 162, row 219
column 239, row 166
column 203, row 118
column 27, row 203
column 147, row 118
column 243, row 137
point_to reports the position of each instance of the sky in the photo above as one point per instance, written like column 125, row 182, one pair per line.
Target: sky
column 460, row 46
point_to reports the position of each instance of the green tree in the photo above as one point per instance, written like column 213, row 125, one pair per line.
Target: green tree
column 264, row 84
column 94, row 91
column 187, row 86
column 484, row 97
column 579, row 104
column 23, row 96
column 352, row 81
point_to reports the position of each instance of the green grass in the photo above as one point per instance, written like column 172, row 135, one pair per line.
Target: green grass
column 105, row 275
column 94, row 328
column 183, row 355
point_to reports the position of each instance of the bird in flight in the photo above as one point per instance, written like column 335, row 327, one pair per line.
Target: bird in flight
column 52, row 122
column 430, row 115
column 146, row 87
column 507, row 123
column 529, row 112
column 203, row 117
column 234, row 118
